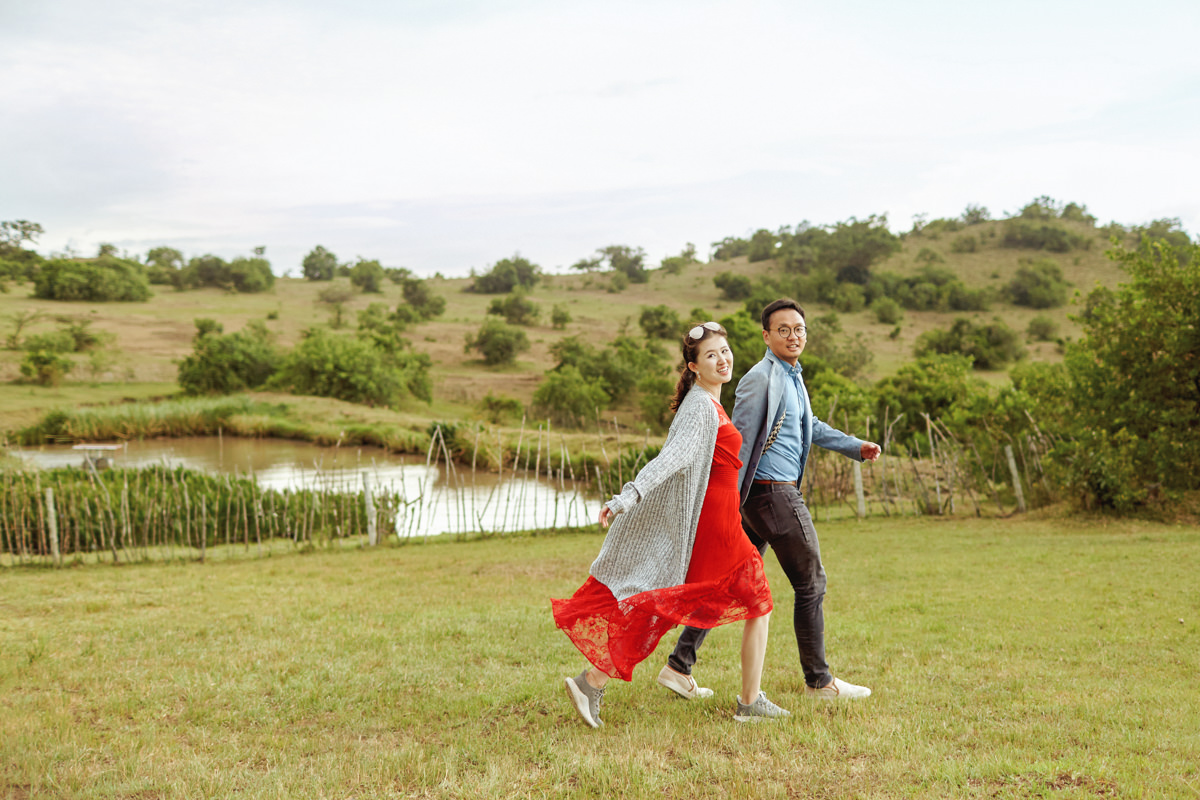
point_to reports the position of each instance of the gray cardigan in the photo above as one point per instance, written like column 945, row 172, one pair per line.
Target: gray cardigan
column 649, row 543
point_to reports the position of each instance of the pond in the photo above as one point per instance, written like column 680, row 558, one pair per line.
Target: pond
column 436, row 499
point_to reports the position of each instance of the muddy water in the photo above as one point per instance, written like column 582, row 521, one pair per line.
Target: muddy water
column 435, row 499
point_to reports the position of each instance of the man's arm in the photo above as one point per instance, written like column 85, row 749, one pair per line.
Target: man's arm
column 831, row 438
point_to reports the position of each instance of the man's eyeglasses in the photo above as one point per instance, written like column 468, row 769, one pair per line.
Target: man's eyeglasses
column 785, row 332
column 698, row 331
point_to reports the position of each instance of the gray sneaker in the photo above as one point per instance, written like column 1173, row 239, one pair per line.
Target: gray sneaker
column 585, row 698
column 761, row 709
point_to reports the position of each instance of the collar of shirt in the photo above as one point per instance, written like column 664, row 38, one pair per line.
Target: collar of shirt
column 795, row 372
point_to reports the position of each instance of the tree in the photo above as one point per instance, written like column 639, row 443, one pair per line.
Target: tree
column 560, row 317
column 517, row 309
column 660, row 322
column 343, row 367
column 249, row 275
column 226, row 363
column 1038, row 284
column 567, row 398
column 423, row 303
column 1135, row 384
column 102, row 279
column 498, row 343
column 368, row 275
column 164, row 266
column 989, row 346
column 626, row 260
column 45, row 367
column 505, row 275
column 16, row 231
column 733, row 287
column 319, row 264
column 762, row 245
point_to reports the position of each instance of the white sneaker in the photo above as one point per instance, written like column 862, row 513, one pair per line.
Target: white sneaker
column 682, row 685
column 837, row 689
column 761, row 709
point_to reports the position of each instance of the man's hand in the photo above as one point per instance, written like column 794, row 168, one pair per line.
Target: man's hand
column 870, row 451
column 606, row 516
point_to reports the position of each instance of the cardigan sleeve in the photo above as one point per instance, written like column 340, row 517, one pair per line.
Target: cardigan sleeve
column 690, row 429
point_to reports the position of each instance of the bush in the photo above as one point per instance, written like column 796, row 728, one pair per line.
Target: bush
column 498, row 409
column 104, row 279
column 933, row 384
column 348, row 368
column 1042, row 329
column 927, row 255
column 1042, row 236
column 560, row 317
column 734, row 287
column 990, row 346
column 368, row 276
column 967, row 243
column 654, row 402
column 616, row 369
column 887, row 311
column 250, row 275
column 505, row 275
column 660, row 322
column 497, row 343
column 619, row 282
column 567, row 398
column 730, row 248
column 517, row 309
column 45, row 367
column 224, row 364
column 421, row 299
column 319, row 265
column 762, row 245
column 1038, row 284
column 59, row 341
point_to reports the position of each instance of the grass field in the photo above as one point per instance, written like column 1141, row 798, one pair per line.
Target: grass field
column 1018, row 658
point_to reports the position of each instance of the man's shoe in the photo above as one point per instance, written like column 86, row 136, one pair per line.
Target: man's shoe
column 585, row 698
column 837, row 689
column 761, row 709
column 682, row 685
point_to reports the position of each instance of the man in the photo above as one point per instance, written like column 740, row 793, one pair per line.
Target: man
column 773, row 413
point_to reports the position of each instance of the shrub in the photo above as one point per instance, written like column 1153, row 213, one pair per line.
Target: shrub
column 368, row 276
column 654, row 401
column 45, row 367
column 104, row 279
column 990, row 346
column 1042, row 236
column 567, row 398
column 345, row 368
column 927, row 255
column 975, row 214
column 505, row 275
column 59, row 341
column 887, row 311
column 933, row 384
column 967, row 243
column 616, row 369
column 224, row 364
column 660, row 322
column 250, row 275
column 498, row 409
column 498, row 343
column 1042, row 329
column 319, row 265
column 762, row 245
column 421, row 299
column 1038, row 284
column 734, row 287
column 730, row 248
column 560, row 317
column 517, row 309
column 619, row 282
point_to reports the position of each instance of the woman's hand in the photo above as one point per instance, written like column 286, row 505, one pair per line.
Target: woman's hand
column 606, row 516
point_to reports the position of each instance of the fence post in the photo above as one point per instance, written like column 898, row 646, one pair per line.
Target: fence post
column 369, row 496
column 1016, row 477
column 52, row 524
column 858, row 489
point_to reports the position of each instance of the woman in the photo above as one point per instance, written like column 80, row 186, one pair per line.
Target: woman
column 676, row 553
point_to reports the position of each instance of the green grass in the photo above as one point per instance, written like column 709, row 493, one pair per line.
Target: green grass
column 1019, row 658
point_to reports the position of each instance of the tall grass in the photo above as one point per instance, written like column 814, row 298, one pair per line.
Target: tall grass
column 1008, row 659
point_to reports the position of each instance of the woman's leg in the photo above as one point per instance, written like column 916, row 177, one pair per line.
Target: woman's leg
column 598, row 679
column 754, row 653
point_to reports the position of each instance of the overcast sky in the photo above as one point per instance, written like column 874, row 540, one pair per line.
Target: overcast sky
column 448, row 134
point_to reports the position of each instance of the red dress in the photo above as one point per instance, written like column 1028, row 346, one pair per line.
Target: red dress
column 725, row 581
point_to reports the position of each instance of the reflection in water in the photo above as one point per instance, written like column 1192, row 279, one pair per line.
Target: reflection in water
column 434, row 499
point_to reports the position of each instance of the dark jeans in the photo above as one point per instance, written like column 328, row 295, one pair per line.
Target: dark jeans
column 776, row 515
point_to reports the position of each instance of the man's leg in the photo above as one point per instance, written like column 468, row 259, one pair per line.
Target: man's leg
column 683, row 657
column 777, row 516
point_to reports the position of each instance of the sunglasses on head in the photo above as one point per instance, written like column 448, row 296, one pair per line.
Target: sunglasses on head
column 698, row 331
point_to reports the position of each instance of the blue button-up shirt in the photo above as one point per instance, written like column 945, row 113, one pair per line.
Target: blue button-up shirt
column 781, row 459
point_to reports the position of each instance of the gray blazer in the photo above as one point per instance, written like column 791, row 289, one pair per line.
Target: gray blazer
column 649, row 543
column 756, row 408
